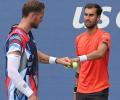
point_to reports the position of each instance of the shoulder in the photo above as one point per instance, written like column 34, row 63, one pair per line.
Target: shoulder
column 15, row 37
column 14, row 43
column 104, row 33
column 105, row 37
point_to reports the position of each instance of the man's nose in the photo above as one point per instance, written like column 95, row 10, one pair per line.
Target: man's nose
column 87, row 17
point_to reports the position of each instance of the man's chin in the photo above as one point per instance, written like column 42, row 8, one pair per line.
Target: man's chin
column 89, row 26
column 35, row 27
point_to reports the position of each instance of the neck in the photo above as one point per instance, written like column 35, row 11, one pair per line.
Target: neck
column 92, row 30
column 25, row 25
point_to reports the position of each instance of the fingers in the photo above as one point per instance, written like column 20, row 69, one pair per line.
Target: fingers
column 64, row 61
column 67, row 59
column 75, row 59
column 73, row 62
column 67, row 62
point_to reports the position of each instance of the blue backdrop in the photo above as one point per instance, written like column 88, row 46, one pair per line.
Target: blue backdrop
column 56, row 36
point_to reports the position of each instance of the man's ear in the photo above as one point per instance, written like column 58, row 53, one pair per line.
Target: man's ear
column 32, row 16
column 98, row 18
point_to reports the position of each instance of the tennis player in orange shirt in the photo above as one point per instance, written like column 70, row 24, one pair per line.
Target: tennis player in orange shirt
column 92, row 48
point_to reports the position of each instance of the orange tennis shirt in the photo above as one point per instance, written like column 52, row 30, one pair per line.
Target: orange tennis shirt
column 93, row 74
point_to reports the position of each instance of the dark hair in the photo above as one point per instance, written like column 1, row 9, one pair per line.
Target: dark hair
column 94, row 5
column 32, row 6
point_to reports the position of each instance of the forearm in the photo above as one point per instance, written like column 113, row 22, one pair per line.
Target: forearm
column 52, row 60
column 12, row 68
column 90, row 56
column 95, row 55
column 43, row 57
column 99, row 53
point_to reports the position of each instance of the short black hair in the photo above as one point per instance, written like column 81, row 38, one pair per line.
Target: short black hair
column 94, row 5
column 32, row 6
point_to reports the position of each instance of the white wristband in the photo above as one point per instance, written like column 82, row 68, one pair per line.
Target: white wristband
column 52, row 60
column 83, row 58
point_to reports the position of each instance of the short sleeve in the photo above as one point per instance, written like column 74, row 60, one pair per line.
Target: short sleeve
column 105, row 38
column 15, row 43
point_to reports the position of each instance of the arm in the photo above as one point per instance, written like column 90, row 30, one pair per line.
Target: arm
column 52, row 60
column 104, row 45
column 99, row 53
column 13, row 64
